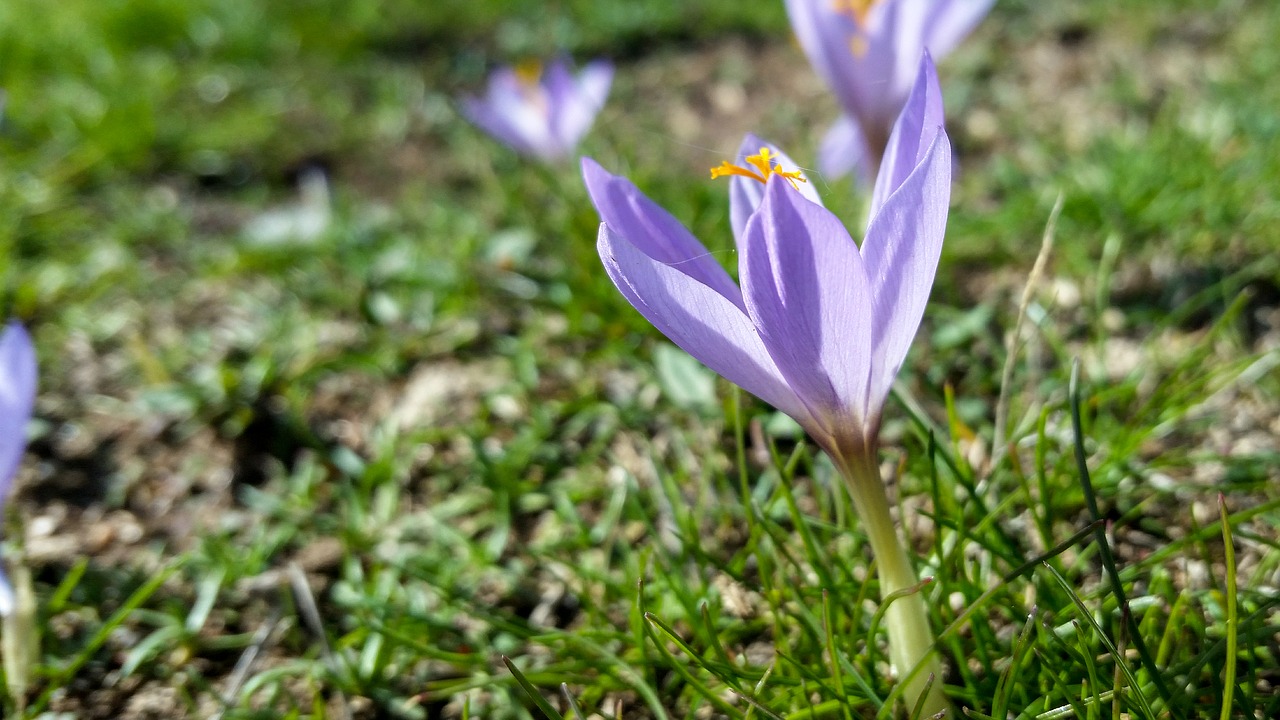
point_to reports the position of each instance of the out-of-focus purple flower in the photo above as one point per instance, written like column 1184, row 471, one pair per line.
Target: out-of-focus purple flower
column 867, row 51
column 819, row 326
column 17, row 397
column 541, row 114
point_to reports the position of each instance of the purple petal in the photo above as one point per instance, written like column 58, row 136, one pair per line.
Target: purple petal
column 806, row 291
column 901, row 251
column 17, row 397
column 595, row 79
column 920, row 119
column 892, row 32
column 863, row 80
column 496, row 124
column 577, row 101
column 951, row 21
column 558, row 82
column 870, row 67
column 516, row 114
column 933, row 25
column 7, row 600
column 825, row 36
column 652, row 230
column 822, row 35
column 746, row 194
column 843, row 149
column 701, row 321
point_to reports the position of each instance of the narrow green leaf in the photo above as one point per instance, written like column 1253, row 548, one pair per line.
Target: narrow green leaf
column 1008, row 684
column 1232, row 633
column 697, row 685
column 1115, row 653
column 545, row 707
column 99, row 638
column 572, row 702
column 1108, row 560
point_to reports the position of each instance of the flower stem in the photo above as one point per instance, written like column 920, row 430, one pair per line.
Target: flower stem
column 910, row 637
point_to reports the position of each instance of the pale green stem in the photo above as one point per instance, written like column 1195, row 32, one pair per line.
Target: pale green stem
column 20, row 640
column 910, row 637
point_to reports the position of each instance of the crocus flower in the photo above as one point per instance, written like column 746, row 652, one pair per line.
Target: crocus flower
column 819, row 326
column 17, row 396
column 866, row 52
column 541, row 114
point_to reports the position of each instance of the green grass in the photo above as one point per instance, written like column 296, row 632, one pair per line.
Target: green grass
column 474, row 450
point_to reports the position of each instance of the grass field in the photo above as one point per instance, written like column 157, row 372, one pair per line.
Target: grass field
column 345, row 476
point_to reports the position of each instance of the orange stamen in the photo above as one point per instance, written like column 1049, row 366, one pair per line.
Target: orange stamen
column 764, row 167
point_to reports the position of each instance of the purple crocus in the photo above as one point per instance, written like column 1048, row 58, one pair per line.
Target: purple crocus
column 866, row 52
column 819, row 326
column 541, row 114
column 17, row 397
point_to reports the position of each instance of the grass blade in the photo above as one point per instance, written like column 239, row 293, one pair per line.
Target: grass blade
column 139, row 596
column 572, row 702
column 1233, row 639
column 1104, row 550
column 1111, row 647
column 543, row 706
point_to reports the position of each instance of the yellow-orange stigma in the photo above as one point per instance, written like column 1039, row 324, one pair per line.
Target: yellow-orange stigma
column 856, row 9
column 764, row 167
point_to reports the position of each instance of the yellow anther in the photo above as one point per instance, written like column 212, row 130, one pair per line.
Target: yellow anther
column 764, row 167
column 856, row 9
column 529, row 83
column 529, row 72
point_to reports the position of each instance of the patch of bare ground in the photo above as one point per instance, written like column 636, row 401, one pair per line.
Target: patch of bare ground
column 1078, row 80
column 696, row 107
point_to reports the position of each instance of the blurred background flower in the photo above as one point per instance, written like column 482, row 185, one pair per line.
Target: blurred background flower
column 867, row 52
column 541, row 113
column 17, row 397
